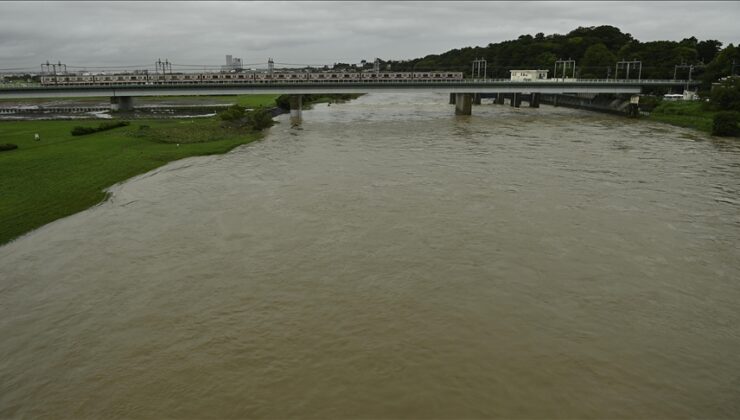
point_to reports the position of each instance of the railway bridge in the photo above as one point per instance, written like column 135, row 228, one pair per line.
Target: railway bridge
column 463, row 93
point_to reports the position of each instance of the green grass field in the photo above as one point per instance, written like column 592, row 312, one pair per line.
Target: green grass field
column 61, row 174
column 684, row 114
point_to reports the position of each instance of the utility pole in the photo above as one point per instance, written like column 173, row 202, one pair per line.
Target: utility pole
column 626, row 65
column 477, row 69
column 51, row 69
column 565, row 64
column 684, row 66
column 162, row 65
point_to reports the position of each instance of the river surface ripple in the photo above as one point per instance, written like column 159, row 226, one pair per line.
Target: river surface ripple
column 393, row 260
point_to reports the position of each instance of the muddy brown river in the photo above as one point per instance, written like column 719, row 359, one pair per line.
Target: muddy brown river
column 393, row 260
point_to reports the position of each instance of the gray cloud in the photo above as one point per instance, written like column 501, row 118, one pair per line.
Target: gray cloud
column 133, row 33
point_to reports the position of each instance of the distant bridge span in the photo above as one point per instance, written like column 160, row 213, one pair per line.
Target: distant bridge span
column 550, row 86
column 121, row 95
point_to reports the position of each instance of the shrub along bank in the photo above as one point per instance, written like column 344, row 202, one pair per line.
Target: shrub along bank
column 81, row 131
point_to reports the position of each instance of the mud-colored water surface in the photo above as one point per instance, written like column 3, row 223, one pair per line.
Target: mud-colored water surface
column 392, row 260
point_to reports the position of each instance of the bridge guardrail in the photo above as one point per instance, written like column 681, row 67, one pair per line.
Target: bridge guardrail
column 472, row 82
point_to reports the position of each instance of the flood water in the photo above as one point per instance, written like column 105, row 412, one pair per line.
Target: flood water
column 392, row 260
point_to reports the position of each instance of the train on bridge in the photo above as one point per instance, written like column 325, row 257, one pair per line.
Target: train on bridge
column 144, row 78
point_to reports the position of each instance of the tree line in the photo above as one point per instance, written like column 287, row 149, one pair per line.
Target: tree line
column 596, row 50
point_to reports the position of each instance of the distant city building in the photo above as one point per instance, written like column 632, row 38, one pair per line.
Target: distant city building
column 232, row 64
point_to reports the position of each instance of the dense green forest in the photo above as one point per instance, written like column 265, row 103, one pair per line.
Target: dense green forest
column 596, row 51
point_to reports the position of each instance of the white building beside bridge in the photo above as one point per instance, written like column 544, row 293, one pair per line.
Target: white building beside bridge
column 528, row 75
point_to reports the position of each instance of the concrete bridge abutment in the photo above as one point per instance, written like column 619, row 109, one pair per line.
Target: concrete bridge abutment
column 463, row 103
column 296, row 109
column 516, row 100
column 121, row 103
column 534, row 100
column 476, row 99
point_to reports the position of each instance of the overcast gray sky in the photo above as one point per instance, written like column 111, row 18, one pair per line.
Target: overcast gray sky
column 132, row 33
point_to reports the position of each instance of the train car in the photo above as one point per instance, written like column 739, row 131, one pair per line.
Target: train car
column 140, row 78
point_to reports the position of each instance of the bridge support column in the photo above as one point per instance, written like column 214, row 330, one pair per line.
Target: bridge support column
column 633, row 110
column 516, row 99
column 296, row 109
column 534, row 100
column 452, row 99
column 121, row 103
column 476, row 99
column 500, row 98
column 463, row 103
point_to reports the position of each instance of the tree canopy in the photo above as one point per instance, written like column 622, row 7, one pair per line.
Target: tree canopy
column 595, row 49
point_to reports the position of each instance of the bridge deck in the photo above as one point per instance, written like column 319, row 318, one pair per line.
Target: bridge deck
column 301, row 87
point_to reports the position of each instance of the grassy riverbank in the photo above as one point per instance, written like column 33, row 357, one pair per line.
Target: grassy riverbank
column 61, row 174
column 684, row 114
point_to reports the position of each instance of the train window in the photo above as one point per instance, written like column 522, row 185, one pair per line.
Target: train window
column 214, row 77
column 373, row 76
column 133, row 77
column 346, row 76
column 241, row 76
column 334, row 76
column 385, row 76
column 321, row 76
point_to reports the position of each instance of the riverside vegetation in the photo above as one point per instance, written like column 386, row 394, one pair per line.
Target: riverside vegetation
column 719, row 116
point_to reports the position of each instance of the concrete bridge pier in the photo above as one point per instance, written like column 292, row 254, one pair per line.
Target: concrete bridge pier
column 516, row 99
column 534, row 100
column 476, row 99
column 463, row 103
column 296, row 109
column 121, row 103
column 500, row 98
column 452, row 99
